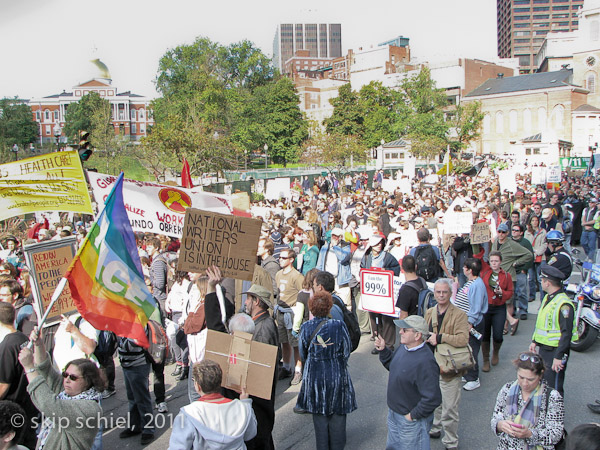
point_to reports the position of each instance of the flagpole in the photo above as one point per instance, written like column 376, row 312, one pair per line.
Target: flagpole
column 448, row 167
column 59, row 288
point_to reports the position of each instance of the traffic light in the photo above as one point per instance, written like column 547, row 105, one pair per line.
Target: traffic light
column 84, row 146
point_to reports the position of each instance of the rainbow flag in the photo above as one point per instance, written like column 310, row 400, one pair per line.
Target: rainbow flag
column 106, row 278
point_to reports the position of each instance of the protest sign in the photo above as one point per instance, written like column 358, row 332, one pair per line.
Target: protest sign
column 50, row 182
column 278, row 188
column 538, row 175
column 48, row 261
column 244, row 362
column 228, row 242
column 377, row 291
column 389, row 184
column 508, row 181
column 457, row 222
column 553, row 174
column 480, row 233
column 156, row 208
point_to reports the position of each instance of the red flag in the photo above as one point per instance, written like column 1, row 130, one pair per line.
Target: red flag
column 186, row 176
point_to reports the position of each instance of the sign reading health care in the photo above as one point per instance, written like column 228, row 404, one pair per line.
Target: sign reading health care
column 156, row 208
column 50, row 182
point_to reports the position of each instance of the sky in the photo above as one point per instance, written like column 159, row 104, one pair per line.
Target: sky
column 46, row 45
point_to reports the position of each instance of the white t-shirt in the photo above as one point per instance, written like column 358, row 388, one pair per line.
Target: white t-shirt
column 65, row 348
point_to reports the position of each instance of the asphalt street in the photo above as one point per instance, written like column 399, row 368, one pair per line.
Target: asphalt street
column 366, row 427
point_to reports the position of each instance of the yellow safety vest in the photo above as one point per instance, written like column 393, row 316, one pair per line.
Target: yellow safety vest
column 547, row 326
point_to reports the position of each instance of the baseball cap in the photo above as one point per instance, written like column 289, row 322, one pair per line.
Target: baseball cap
column 503, row 227
column 415, row 322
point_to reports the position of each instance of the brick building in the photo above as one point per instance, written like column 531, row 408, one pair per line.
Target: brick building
column 131, row 114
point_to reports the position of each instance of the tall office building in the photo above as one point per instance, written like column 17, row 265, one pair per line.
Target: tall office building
column 321, row 40
column 523, row 25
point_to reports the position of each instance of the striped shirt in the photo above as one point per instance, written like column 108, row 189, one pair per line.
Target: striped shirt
column 462, row 297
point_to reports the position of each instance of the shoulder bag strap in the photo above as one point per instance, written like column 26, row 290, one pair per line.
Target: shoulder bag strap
column 316, row 331
column 434, row 321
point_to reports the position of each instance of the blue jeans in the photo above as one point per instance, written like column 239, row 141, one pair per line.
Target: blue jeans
column 533, row 281
column 408, row 435
column 192, row 392
column 538, row 272
column 141, row 417
column 588, row 242
column 330, row 431
column 521, row 300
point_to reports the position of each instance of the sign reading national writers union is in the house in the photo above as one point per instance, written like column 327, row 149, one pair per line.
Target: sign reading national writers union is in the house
column 213, row 239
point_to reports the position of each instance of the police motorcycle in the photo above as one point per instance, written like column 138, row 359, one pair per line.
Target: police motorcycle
column 587, row 299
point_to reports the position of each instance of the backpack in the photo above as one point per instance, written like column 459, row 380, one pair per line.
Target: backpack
column 426, row 262
column 426, row 298
column 107, row 341
column 107, row 344
column 159, row 343
column 351, row 322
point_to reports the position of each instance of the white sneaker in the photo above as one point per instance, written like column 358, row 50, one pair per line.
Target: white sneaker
column 463, row 379
column 162, row 407
column 472, row 385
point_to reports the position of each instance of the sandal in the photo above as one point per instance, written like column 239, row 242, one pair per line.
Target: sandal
column 514, row 328
column 506, row 329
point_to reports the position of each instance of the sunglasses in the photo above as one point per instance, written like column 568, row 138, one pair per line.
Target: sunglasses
column 503, row 232
column 285, row 257
column 533, row 358
column 71, row 376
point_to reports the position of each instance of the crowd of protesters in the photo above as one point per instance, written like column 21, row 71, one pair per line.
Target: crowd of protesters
column 305, row 299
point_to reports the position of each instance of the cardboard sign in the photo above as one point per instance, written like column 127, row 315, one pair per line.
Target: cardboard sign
column 447, row 241
column 244, row 362
column 458, row 222
column 48, row 261
column 377, row 291
column 480, row 233
column 213, row 239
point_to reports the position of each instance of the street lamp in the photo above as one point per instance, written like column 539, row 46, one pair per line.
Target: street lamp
column 57, row 133
column 266, row 147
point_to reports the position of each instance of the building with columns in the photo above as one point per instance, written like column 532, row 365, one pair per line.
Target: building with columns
column 131, row 114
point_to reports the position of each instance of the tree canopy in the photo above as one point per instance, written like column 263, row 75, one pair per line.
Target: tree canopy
column 79, row 116
column 415, row 110
column 16, row 124
column 227, row 91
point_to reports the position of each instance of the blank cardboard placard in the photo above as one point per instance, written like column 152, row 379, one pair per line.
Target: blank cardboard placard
column 243, row 361
column 480, row 233
column 214, row 239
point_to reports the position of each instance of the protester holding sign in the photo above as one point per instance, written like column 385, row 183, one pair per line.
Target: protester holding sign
column 375, row 256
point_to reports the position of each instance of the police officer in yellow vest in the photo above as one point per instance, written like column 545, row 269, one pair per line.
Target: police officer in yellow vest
column 554, row 328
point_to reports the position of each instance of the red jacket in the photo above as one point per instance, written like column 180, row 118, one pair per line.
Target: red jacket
column 504, row 280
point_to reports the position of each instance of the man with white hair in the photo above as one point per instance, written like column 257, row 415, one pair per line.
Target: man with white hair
column 449, row 325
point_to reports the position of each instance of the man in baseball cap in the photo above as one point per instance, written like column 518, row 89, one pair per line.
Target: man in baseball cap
column 413, row 391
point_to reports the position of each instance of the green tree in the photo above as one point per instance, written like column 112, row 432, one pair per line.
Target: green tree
column 225, row 90
column 422, row 119
column 16, row 124
column 79, row 115
column 381, row 108
column 347, row 118
column 283, row 126
column 332, row 151
column 466, row 125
